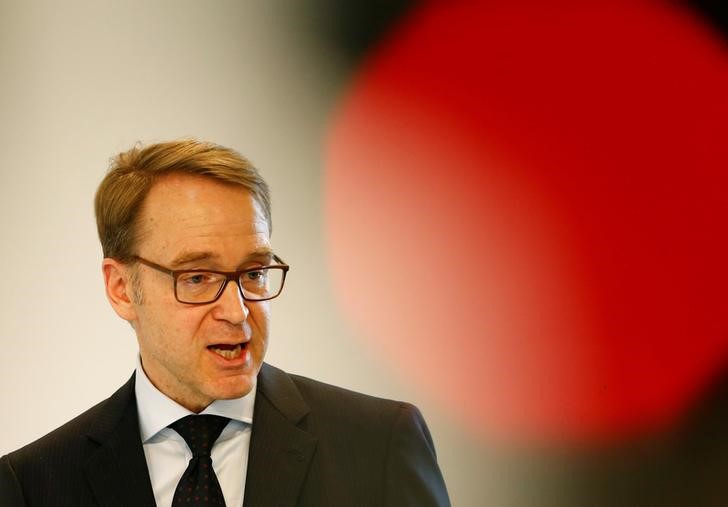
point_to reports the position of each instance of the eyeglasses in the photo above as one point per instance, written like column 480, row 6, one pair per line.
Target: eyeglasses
column 204, row 286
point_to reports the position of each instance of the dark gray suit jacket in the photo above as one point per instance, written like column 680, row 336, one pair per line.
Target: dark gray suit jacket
column 312, row 445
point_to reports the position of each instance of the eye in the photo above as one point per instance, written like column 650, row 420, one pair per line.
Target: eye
column 193, row 279
column 255, row 275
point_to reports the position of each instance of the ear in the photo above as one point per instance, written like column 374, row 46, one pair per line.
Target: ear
column 117, row 282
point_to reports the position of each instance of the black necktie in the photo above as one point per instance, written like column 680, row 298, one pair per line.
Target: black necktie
column 198, row 485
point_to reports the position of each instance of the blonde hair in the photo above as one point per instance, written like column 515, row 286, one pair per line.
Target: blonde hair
column 132, row 174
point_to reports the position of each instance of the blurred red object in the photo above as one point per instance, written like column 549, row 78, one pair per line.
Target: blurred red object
column 527, row 212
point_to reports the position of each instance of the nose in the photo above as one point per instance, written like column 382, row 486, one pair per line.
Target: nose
column 231, row 306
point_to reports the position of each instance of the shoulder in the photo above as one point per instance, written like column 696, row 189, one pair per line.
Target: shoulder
column 53, row 470
column 361, row 433
column 321, row 393
column 72, row 438
column 333, row 401
column 346, row 412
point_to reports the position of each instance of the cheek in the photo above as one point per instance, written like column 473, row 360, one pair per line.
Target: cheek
column 259, row 317
column 170, row 328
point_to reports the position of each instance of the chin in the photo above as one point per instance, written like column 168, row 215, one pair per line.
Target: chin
column 237, row 389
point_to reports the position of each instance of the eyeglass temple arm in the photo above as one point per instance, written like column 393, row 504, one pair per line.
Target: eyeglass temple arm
column 279, row 260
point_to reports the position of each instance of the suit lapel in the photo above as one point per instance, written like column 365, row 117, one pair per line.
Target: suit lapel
column 117, row 471
column 280, row 451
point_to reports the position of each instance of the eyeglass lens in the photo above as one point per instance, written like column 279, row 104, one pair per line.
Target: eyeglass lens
column 202, row 287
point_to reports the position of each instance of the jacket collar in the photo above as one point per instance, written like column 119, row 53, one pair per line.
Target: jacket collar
column 117, row 471
column 280, row 448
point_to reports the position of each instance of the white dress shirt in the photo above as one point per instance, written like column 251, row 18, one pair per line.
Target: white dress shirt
column 167, row 453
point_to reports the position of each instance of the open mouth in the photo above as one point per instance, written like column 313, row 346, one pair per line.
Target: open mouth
column 228, row 351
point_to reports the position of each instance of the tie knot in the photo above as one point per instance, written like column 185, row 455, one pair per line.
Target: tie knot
column 200, row 431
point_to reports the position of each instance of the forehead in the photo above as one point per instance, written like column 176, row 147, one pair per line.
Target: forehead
column 194, row 213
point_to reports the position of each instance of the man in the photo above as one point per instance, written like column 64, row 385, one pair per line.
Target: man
column 185, row 229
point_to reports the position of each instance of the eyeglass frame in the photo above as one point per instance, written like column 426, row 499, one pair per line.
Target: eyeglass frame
column 230, row 276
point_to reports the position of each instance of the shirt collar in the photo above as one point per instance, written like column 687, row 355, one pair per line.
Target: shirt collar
column 157, row 410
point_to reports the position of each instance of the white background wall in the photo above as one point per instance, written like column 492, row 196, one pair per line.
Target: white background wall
column 81, row 81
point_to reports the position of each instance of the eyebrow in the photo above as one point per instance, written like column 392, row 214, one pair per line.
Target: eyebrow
column 190, row 257
column 264, row 253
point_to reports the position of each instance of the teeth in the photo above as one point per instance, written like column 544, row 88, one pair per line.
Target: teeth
column 228, row 353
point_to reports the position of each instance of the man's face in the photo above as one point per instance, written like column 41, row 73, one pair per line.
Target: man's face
column 191, row 222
